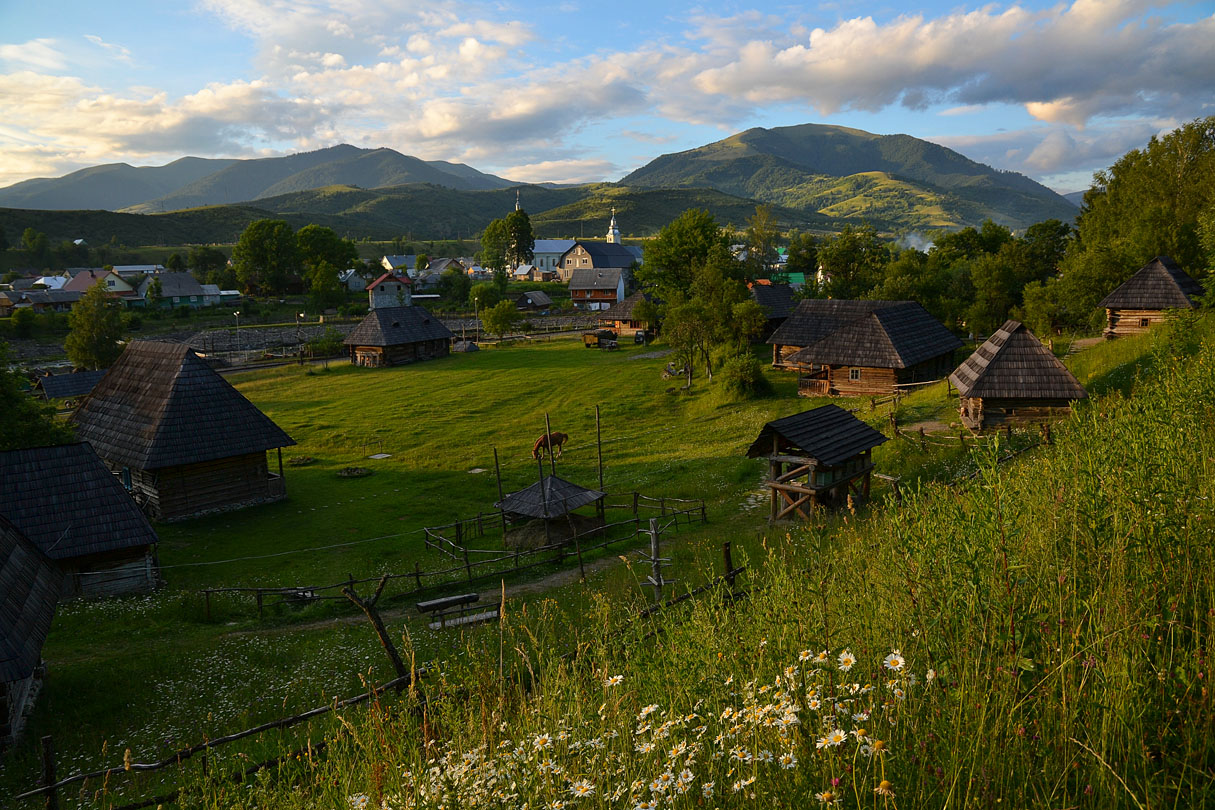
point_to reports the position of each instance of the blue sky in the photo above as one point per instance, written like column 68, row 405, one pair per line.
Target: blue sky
column 577, row 91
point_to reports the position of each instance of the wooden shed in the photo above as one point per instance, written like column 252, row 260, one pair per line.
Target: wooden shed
column 850, row 348
column 815, row 458
column 622, row 316
column 392, row 336
column 1143, row 299
column 69, row 505
column 30, row 586
column 533, row 301
column 183, row 440
column 1013, row 378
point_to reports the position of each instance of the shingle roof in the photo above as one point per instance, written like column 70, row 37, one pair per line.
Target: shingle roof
column 776, row 299
column 401, row 262
column 172, row 285
column 68, row 503
column 815, row 318
column 1013, row 364
column 64, row 386
column 1159, row 284
column 594, row 278
column 29, row 590
column 160, row 406
column 394, row 326
column 609, row 254
column 550, row 498
column 899, row 335
column 828, row 434
column 552, row 245
column 389, row 276
column 536, row 298
column 623, row 310
column 49, row 296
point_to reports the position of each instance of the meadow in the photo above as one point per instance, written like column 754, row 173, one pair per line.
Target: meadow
column 152, row 673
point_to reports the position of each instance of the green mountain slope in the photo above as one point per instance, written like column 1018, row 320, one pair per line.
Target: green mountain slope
column 925, row 185
column 112, row 186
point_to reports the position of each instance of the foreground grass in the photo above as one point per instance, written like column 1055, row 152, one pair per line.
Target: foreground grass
column 1051, row 621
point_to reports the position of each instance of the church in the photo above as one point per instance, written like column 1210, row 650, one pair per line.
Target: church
column 609, row 254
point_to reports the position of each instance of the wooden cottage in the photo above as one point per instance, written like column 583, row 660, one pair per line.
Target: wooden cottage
column 69, row 386
column 815, row 458
column 30, row 586
column 184, row 441
column 622, row 316
column 595, row 289
column 1143, row 299
column 851, row 348
column 778, row 303
column 1013, row 378
column 392, row 336
column 533, row 301
column 67, row 503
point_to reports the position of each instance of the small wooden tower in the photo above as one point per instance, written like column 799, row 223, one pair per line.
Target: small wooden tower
column 1142, row 300
column 815, row 458
column 1013, row 378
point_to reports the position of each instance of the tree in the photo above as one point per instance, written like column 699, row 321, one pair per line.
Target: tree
column 420, row 263
column 762, row 237
column 23, row 321
column 520, row 240
column 266, row 257
column 501, row 317
column 27, row 422
column 3, row 240
column 802, row 256
column 482, row 296
column 688, row 328
column 495, row 242
column 96, row 329
column 318, row 245
column 155, row 290
column 206, row 261
column 454, row 286
column 853, row 261
column 175, row 263
column 324, row 288
column 37, row 248
column 680, row 247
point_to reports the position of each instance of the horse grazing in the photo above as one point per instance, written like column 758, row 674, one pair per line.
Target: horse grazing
column 551, row 442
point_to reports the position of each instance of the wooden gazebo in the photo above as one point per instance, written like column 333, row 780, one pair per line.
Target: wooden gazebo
column 182, row 439
column 815, row 458
column 1013, row 378
column 1143, row 299
column 549, row 498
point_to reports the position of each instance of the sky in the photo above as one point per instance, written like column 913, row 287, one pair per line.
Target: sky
column 573, row 91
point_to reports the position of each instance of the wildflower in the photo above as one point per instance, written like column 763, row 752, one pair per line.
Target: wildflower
column 706, row 789
column 647, row 711
column 846, row 659
column 685, row 776
column 646, row 806
column 663, row 782
column 813, row 704
column 542, row 742
column 644, row 748
column 677, row 751
column 581, row 789
column 804, row 655
column 742, row 783
column 764, row 756
column 884, row 788
column 556, row 804
column 930, row 675
column 614, row 680
column 821, row 658
column 788, row 760
column 729, row 681
column 895, row 661
column 899, row 693
column 828, row 797
column 790, row 671
column 860, row 733
column 358, row 801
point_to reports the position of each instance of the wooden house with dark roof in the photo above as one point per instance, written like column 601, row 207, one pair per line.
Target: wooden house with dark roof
column 851, row 348
column 533, row 301
column 186, row 442
column 69, row 504
column 778, row 302
column 392, row 336
column 815, row 458
column 69, row 386
column 29, row 591
column 590, row 255
column 1013, row 378
column 595, row 289
column 622, row 315
column 1143, row 300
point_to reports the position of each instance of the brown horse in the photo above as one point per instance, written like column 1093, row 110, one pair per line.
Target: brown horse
column 551, row 442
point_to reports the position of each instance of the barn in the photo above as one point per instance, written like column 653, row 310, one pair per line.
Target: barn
column 392, row 336
column 851, row 348
column 66, row 501
column 183, row 440
column 1013, row 378
column 1143, row 300
column 815, row 458
column 30, row 584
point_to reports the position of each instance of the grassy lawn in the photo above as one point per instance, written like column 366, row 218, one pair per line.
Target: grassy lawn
column 150, row 673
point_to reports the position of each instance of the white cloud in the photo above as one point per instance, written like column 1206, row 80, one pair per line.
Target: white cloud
column 572, row 170
column 118, row 52
column 39, row 54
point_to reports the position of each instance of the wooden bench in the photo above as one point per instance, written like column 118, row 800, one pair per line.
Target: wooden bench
column 453, row 611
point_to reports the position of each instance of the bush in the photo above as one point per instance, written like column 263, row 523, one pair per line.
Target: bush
column 23, row 323
column 327, row 344
column 181, row 313
column 742, row 377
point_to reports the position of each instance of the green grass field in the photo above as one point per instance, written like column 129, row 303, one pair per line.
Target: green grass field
column 150, row 673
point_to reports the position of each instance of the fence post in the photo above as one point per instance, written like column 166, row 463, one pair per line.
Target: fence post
column 662, row 506
column 725, row 550
column 655, row 564
column 635, row 495
column 467, row 567
column 207, row 594
column 48, row 772
column 460, row 534
column 259, row 603
column 417, row 573
column 704, row 518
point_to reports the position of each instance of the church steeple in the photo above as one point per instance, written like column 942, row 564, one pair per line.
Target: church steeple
column 613, row 234
column 518, row 207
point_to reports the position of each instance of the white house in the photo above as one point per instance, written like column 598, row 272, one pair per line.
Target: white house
column 390, row 290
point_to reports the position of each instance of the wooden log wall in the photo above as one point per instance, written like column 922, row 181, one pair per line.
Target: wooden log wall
column 1126, row 322
column 14, row 700
column 978, row 413
column 209, row 485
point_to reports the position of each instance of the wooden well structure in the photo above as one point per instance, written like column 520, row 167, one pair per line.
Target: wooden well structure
column 815, row 458
column 552, row 500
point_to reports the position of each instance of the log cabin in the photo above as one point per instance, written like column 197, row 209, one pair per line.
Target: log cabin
column 853, row 348
column 1013, row 379
column 69, row 504
column 778, row 303
column 815, row 458
column 30, row 584
column 393, row 336
column 179, row 436
column 622, row 317
column 1144, row 299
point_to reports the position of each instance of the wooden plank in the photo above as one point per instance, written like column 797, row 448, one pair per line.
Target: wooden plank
column 472, row 618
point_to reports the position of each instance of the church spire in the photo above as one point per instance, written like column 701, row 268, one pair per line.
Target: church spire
column 613, row 234
column 518, row 207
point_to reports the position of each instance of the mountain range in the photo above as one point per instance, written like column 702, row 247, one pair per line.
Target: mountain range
column 816, row 177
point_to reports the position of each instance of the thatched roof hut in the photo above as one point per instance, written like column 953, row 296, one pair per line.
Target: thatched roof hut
column 827, row 446
column 30, row 585
column 862, row 347
column 69, row 505
column 390, row 336
column 187, row 440
column 1144, row 298
column 1012, row 377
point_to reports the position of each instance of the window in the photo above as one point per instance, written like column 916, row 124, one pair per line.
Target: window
column 854, row 373
column 1145, row 322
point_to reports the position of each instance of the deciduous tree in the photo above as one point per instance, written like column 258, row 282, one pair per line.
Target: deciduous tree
column 520, row 239
column 96, row 329
column 27, row 421
column 495, row 242
column 501, row 317
column 266, row 257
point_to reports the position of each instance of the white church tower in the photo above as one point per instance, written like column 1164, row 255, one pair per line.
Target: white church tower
column 613, row 234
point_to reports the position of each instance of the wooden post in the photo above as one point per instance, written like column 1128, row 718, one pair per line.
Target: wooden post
column 544, row 499
column 460, row 535
column 280, row 463
column 368, row 607
column 467, row 567
column 552, row 457
column 417, row 574
column 655, row 565
column 635, row 496
column 501, row 497
column 207, row 594
column 259, row 603
column 48, row 772
column 725, row 550
column 599, row 447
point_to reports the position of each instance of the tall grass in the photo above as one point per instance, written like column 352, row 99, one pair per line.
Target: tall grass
column 1051, row 620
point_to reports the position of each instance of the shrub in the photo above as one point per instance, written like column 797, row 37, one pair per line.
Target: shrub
column 742, row 377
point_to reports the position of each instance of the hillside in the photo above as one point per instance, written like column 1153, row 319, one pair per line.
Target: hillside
column 109, row 187
column 813, row 166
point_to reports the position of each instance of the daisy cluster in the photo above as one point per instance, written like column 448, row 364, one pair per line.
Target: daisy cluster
column 815, row 728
